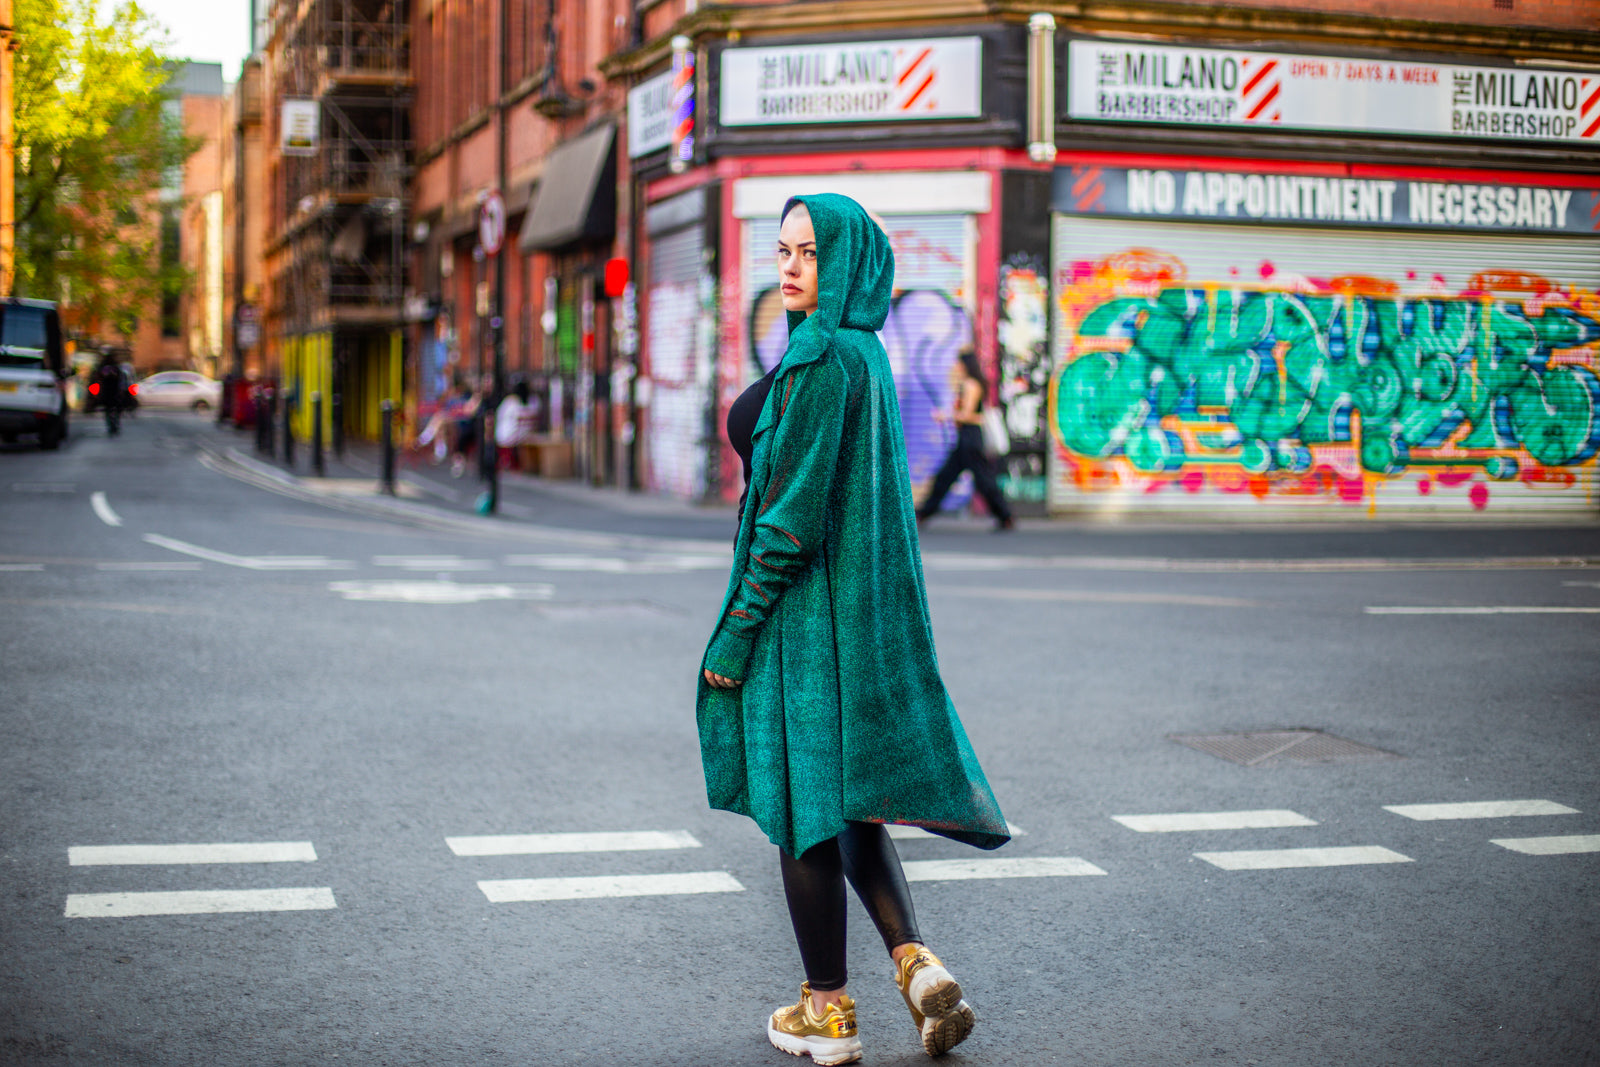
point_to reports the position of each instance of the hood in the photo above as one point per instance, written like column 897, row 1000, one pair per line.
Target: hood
column 855, row 275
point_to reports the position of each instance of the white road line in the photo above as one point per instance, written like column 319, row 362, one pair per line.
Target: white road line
column 432, row 563
column 102, row 508
column 440, row 591
column 1499, row 609
column 196, row 902
column 512, row 890
column 175, row 565
column 1582, row 585
column 252, row 563
column 544, row 844
column 21, row 566
column 1087, row 596
column 1213, row 820
column 1022, row 867
column 1480, row 809
column 617, row 565
column 1277, row 858
column 1551, row 846
column 255, row 852
column 917, row 833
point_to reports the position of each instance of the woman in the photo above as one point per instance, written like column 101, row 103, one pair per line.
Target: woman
column 821, row 711
column 967, row 413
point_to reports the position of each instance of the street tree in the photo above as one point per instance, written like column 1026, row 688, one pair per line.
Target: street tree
column 100, row 150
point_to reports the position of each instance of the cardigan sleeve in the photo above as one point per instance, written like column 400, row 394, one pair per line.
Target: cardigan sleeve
column 791, row 519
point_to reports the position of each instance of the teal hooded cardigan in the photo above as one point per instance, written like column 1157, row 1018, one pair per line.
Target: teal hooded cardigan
column 842, row 714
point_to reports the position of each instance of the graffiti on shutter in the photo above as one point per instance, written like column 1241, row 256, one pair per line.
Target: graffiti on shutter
column 680, row 356
column 1207, row 365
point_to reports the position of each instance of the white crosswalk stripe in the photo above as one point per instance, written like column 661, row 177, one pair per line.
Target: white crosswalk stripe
column 1213, row 820
column 196, row 902
column 513, row 890
column 1480, row 809
column 1280, row 858
column 432, row 563
column 917, row 833
column 544, row 844
column 259, row 852
column 1560, row 845
column 1020, row 867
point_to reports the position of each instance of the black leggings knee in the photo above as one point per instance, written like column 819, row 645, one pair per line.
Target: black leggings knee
column 814, row 886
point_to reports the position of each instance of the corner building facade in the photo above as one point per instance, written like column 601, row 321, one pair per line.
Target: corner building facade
column 1281, row 263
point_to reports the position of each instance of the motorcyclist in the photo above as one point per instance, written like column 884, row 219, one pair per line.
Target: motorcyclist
column 112, row 390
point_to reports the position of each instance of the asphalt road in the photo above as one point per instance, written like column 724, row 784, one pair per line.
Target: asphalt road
column 197, row 654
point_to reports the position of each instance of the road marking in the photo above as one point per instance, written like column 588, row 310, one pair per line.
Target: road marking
column 413, row 591
column 1500, row 609
column 898, row 832
column 1480, row 809
column 512, row 890
column 102, row 508
column 1276, row 858
column 1022, row 867
column 1083, row 596
column 257, row 852
column 1551, row 846
column 952, row 561
column 105, row 605
column 1213, row 820
column 617, row 565
column 196, row 902
column 432, row 563
column 176, row 565
column 1582, row 585
column 544, row 844
column 21, row 566
column 251, row 563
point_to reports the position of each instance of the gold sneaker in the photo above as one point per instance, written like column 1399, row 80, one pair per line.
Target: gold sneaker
column 828, row 1039
column 934, row 997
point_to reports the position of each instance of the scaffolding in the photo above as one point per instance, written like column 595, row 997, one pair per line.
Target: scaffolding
column 339, row 250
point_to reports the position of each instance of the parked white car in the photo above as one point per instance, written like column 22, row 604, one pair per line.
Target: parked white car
column 179, row 389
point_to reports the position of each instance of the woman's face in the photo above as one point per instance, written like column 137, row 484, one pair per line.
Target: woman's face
column 797, row 261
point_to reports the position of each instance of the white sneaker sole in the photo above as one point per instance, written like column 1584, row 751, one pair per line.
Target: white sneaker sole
column 934, row 991
column 941, row 1033
column 825, row 1051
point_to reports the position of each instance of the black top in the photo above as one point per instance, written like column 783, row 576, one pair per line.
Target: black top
column 742, row 418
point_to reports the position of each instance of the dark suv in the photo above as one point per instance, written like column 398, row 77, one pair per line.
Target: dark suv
column 32, row 367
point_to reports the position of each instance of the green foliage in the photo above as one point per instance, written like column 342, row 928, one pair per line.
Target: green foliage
column 99, row 143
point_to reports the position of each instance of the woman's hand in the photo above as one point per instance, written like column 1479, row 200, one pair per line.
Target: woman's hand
column 717, row 681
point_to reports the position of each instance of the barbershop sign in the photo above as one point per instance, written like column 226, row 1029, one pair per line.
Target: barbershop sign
column 1226, row 196
column 1128, row 82
column 863, row 81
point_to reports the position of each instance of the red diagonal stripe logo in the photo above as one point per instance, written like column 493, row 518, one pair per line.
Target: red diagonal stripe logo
column 915, row 63
column 1272, row 94
column 1086, row 178
column 1593, row 126
column 1090, row 200
column 920, row 90
column 1250, row 85
column 1594, row 96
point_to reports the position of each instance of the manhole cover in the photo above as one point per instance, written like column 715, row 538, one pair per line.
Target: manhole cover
column 1266, row 748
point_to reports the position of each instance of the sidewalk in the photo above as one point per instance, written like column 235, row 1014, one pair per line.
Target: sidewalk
column 571, row 512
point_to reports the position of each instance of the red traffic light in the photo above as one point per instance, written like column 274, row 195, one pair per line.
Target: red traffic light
column 616, row 277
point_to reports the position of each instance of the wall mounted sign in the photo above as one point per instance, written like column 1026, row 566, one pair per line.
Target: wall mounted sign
column 1228, row 196
column 1132, row 82
column 650, row 115
column 862, row 81
column 300, row 127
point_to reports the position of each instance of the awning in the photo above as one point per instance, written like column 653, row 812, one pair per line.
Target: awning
column 576, row 199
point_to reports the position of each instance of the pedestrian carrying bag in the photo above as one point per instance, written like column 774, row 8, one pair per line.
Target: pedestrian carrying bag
column 996, row 441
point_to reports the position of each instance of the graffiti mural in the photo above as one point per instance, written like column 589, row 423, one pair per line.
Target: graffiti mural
column 1024, row 378
column 1326, row 389
column 928, row 325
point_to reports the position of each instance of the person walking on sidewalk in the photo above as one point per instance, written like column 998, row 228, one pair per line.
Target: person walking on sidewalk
column 820, row 708
column 968, row 454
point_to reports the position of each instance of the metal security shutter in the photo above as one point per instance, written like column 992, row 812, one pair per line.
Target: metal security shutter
column 1353, row 373
column 928, row 323
column 680, row 365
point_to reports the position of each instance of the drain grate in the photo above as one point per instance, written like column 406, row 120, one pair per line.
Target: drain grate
column 1267, row 748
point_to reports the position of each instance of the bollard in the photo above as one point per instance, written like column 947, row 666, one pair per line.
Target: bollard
column 489, row 456
column 388, row 447
column 316, row 435
column 338, row 425
column 288, row 429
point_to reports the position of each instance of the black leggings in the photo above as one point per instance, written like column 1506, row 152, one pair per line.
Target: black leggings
column 967, row 455
column 814, row 885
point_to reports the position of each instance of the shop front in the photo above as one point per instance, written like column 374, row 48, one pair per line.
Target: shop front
column 1322, row 336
